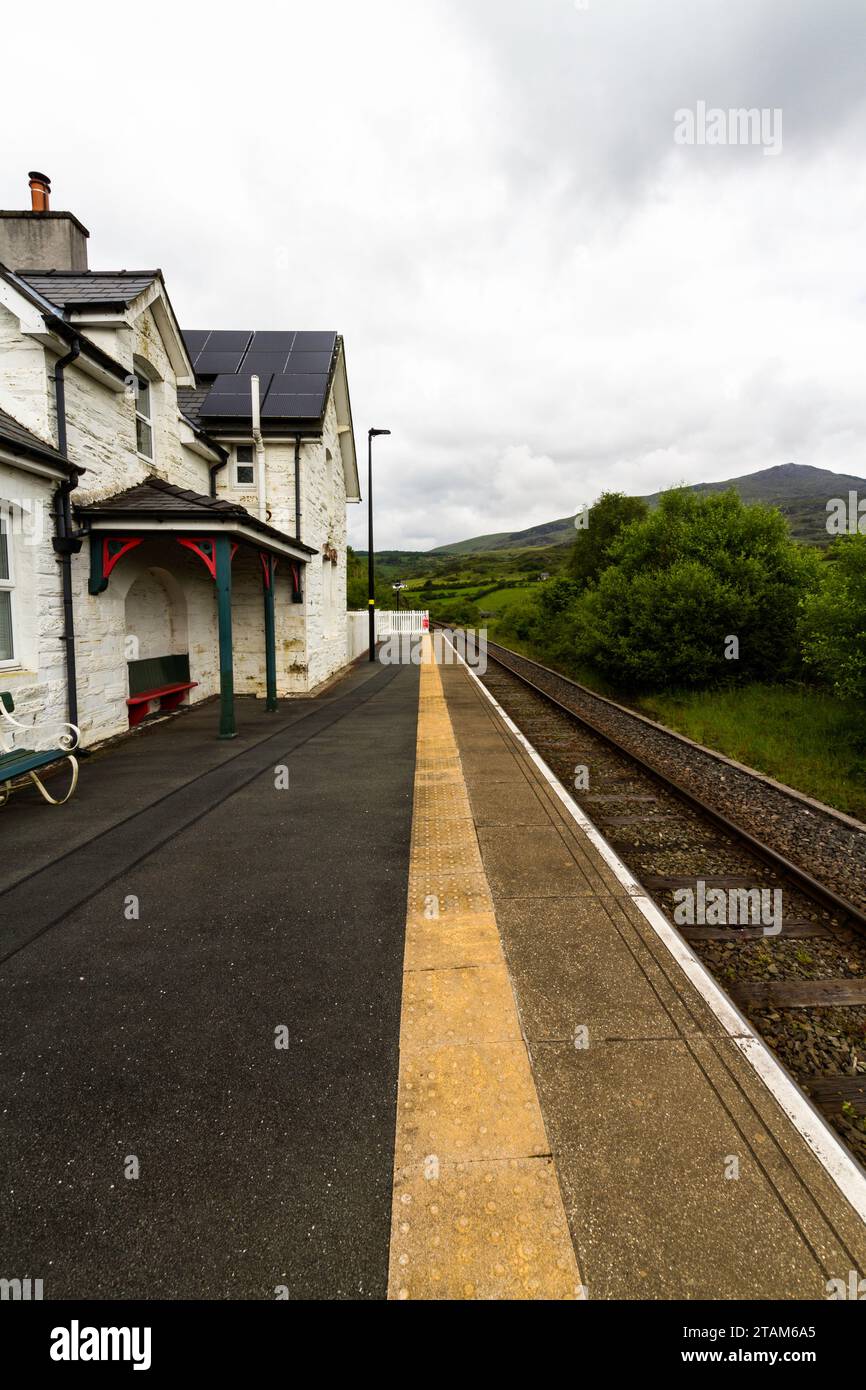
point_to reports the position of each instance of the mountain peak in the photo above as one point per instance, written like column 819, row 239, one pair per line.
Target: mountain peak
column 799, row 490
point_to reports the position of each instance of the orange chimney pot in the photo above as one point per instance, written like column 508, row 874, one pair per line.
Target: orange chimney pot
column 40, row 191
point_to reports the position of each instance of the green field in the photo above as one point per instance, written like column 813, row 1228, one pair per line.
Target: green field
column 501, row 599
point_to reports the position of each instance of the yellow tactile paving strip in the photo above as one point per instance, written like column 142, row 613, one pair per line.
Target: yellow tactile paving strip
column 477, row 1209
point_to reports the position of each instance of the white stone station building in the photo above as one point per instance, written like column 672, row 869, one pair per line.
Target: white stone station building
column 172, row 504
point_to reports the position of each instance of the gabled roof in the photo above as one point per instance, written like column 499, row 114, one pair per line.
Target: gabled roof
column 57, row 324
column 20, row 440
column 89, row 289
column 89, row 296
column 154, row 498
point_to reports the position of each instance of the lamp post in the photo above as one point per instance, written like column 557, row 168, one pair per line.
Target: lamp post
column 371, row 592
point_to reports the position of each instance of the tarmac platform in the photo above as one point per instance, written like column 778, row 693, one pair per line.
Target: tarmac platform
column 263, row 1171
column 403, row 1027
column 683, row 1174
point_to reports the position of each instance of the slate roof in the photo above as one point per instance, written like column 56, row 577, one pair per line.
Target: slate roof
column 154, row 497
column 89, row 289
column 191, row 399
column 55, row 319
column 21, row 440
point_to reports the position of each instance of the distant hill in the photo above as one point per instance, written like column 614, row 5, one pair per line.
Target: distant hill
column 549, row 533
column 797, row 489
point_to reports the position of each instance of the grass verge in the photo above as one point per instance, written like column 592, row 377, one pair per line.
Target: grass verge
column 806, row 738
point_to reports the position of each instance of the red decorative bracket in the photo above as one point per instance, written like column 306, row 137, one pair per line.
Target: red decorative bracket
column 104, row 556
column 297, row 595
column 205, row 549
column 114, row 548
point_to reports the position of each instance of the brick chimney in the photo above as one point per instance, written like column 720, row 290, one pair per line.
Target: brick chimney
column 41, row 239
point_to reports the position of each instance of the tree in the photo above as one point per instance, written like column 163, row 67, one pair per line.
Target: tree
column 607, row 518
column 833, row 618
column 681, row 584
column 356, row 583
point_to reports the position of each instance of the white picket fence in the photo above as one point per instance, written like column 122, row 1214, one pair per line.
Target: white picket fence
column 414, row 621
column 388, row 624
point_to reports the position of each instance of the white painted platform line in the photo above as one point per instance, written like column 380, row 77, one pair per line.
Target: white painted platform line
column 847, row 1174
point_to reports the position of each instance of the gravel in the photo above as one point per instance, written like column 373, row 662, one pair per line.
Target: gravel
column 673, row 838
column 829, row 846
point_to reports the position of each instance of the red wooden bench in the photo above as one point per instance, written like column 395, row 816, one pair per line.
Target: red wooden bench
column 169, row 696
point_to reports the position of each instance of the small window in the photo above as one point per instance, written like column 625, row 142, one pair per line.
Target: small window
column 7, row 641
column 143, row 420
column 245, row 467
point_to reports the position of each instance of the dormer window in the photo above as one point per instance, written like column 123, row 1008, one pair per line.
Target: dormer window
column 143, row 418
column 245, row 466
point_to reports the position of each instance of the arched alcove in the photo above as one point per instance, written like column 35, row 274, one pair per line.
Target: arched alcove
column 155, row 616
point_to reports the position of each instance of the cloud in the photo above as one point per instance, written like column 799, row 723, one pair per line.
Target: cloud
column 541, row 294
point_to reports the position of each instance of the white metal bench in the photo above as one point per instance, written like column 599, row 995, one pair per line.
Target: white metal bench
column 17, row 763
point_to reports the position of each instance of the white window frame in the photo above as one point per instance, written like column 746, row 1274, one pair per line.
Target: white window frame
column 251, row 462
column 8, row 586
column 145, row 419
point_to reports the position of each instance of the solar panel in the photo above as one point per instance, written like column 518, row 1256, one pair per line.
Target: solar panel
column 229, row 340
column 309, row 362
column 260, row 362
column 229, row 396
column 291, row 408
column 301, row 383
column 209, row 363
column 293, row 370
column 272, row 340
column 315, row 342
column 286, row 402
column 195, row 339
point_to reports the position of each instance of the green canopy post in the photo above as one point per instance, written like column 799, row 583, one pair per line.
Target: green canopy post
column 224, row 618
column 268, row 578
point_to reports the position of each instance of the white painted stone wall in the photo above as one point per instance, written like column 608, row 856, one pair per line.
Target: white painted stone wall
column 24, row 385
column 101, row 422
column 311, row 637
column 37, row 682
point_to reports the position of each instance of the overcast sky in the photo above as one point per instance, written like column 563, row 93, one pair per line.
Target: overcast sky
column 542, row 293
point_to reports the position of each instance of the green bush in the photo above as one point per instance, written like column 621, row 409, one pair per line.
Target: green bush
column 607, row 519
column 694, row 573
column 833, row 618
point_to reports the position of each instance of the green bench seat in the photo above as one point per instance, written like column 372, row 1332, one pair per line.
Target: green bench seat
column 163, row 678
column 26, row 760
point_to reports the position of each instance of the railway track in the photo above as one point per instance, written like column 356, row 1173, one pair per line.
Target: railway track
column 779, row 935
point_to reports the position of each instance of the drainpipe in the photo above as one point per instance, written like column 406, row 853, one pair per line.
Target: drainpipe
column 65, row 543
column 260, row 448
column 297, row 487
column 213, row 470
